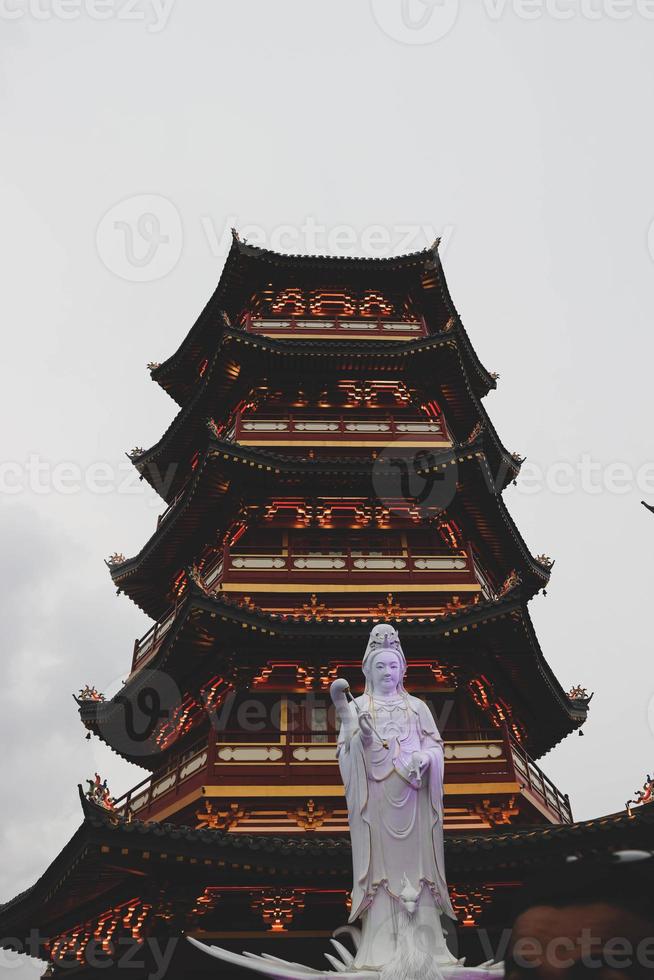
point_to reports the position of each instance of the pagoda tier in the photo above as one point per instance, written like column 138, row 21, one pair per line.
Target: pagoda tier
column 226, row 522
column 264, row 290
column 282, row 894
column 203, row 752
column 248, row 373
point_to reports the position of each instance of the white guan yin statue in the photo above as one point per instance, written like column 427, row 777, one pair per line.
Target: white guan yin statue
column 390, row 755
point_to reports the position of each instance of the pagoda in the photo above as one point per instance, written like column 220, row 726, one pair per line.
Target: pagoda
column 331, row 466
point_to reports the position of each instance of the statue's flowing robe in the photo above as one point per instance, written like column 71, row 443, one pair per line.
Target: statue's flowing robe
column 396, row 821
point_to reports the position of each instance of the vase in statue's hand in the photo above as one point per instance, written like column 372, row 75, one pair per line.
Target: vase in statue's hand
column 339, row 690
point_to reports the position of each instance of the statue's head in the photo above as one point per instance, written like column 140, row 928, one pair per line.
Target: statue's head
column 384, row 664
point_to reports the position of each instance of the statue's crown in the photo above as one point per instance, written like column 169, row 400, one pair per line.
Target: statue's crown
column 384, row 637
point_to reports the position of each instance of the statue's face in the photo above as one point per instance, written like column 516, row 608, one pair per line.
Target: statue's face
column 386, row 672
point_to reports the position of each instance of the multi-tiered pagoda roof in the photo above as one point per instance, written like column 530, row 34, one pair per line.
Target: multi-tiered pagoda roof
column 331, row 466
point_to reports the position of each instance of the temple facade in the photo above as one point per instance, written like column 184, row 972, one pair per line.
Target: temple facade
column 331, row 466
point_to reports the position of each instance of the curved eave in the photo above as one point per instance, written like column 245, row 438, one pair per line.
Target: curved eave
column 536, row 575
column 485, row 379
column 100, row 843
column 145, row 578
column 263, row 357
column 204, row 620
column 223, row 461
column 248, row 266
column 551, row 718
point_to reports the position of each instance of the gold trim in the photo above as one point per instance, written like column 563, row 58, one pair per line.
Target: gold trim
column 278, row 791
column 500, row 761
column 294, row 934
column 457, row 789
column 293, row 335
column 372, row 442
column 362, row 588
column 283, row 721
column 178, row 805
column 474, row 741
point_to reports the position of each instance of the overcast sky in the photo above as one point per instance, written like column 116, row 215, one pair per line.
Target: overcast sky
column 520, row 132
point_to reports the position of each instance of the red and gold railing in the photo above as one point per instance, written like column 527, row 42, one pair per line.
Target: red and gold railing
column 489, row 762
column 340, row 329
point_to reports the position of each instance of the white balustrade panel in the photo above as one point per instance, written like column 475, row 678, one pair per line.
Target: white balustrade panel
column 440, row 564
column 250, row 753
column 327, row 323
column 417, row 427
column 213, row 575
column 473, row 750
column 315, row 753
column 258, row 562
column 164, row 785
column 268, row 426
column 368, row 427
column 379, row 564
column 316, row 426
column 139, row 802
column 193, row 765
column 321, row 563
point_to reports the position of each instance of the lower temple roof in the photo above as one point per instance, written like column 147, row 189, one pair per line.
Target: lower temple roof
column 129, row 855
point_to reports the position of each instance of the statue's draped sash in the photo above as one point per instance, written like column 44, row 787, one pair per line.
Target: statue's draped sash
column 396, row 825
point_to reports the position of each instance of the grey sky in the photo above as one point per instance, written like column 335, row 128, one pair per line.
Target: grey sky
column 526, row 143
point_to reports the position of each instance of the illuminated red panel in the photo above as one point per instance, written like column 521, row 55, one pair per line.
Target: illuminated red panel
column 334, row 303
column 289, row 302
column 374, row 304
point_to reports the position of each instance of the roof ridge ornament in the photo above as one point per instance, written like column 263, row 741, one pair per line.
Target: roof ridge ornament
column 88, row 693
column 118, row 558
column 579, row 693
column 98, row 794
column 642, row 796
column 511, row 582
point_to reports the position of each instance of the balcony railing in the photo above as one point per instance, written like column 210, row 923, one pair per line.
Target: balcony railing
column 343, row 429
column 426, row 567
column 471, row 758
column 533, row 780
column 336, row 329
column 171, row 506
column 147, row 646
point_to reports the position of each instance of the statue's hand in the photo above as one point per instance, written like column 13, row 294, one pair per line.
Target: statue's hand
column 338, row 689
column 365, row 724
column 420, row 762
